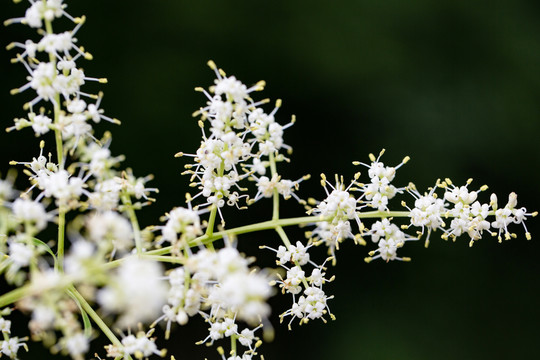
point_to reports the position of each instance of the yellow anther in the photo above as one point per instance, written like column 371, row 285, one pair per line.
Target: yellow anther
column 179, row 154
column 88, row 56
column 211, row 64
column 368, row 259
column 80, row 20
column 102, row 80
column 528, row 236
column 406, row 159
column 259, row 86
column 356, row 163
column 372, row 157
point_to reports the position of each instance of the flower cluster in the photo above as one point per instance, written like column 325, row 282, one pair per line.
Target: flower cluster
column 466, row 214
column 243, row 142
column 336, row 211
column 380, row 190
column 219, row 286
column 81, row 177
column 10, row 345
column 389, row 238
column 312, row 303
column 142, row 345
column 340, row 206
column 103, row 263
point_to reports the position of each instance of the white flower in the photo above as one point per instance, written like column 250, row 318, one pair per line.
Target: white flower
column 11, row 346
column 30, row 212
column 20, row 254
column 110, row 226
column 40, row 124
column 5, row 325
column 42, row 80
column 77, row 344
column 136, row 292
column 43, row 318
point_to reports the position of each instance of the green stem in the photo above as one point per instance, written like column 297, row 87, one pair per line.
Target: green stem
column 61, row 237
column 275, row 196
column 265, row 225
column 211, row 221
column 169, row 259
column 60, row 159
column 233, row 344
column 283, row 236
column 32, row 289
column 14, row 295
column 57, row 131
column 213, row 212
column 97, row 319
column 126, row 200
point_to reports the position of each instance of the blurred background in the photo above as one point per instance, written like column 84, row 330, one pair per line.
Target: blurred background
column 453, row 84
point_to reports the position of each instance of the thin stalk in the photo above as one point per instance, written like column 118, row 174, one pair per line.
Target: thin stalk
column 15, row 295
column 60, row 159
column 265, row 225
column 211, row 221
column 275, row 196
column 126, row 200
column 61, row 237
column 32, row 289
column 233, row 344
column 283, row 236
column 213, row 211
column 169, row 259
column 97, row 319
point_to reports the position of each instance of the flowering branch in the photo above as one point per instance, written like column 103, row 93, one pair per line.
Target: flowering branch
column 105, row 267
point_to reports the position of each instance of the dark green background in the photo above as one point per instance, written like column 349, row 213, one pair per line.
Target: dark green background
column 453, row 84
